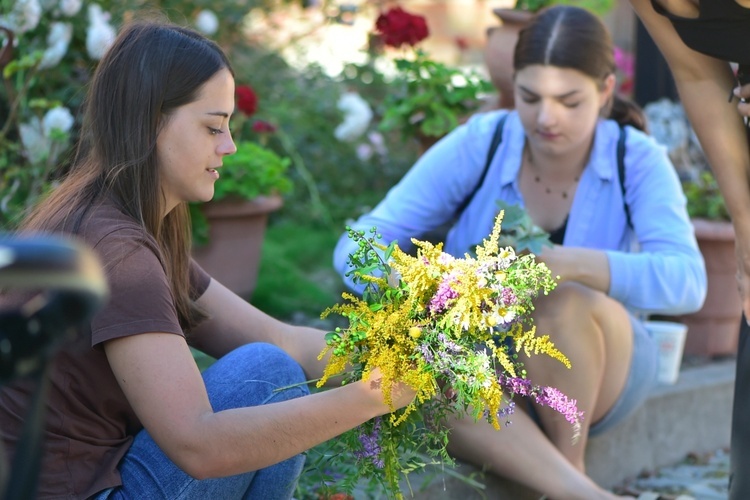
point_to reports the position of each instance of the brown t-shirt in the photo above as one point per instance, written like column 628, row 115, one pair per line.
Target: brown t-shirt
column 90, row 424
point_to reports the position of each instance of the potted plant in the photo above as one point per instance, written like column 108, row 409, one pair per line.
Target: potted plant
column 429, row 98
column 501, row 40
column 228, row 231
column 713, row 331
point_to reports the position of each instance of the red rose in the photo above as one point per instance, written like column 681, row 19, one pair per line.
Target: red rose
column 263, row 127
column 247, row 101
column 398, row 27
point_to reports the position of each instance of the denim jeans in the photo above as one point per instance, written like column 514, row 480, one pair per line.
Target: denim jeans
column 245, row 377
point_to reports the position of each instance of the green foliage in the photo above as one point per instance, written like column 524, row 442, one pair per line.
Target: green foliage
column 704, row 200
column 251, row 172
column 302, row 103
column 299, row 277
column 520, row 232
column 430, row 97
column 599, row 7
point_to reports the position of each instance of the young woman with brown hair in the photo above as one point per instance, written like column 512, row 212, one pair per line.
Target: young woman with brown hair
column 129, row 413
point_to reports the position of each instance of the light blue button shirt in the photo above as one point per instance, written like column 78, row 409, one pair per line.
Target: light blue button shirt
column 655, row 267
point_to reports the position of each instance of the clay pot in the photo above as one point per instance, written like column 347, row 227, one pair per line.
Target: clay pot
column 714, row 330
column 498, row 51
column 236, row 230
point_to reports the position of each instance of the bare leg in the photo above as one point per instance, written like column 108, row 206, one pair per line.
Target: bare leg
column 523, row 453
column 594, row 332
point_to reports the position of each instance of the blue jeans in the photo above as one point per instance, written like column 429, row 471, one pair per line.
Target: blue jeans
column 245, row 377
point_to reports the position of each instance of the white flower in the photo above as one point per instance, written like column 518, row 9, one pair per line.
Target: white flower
column 58, row 40
column 36, row 144
column 207, row 22
column 24, row 17
column 100, row 33
column 357, row 116
column 58, row 118
column 70, row 8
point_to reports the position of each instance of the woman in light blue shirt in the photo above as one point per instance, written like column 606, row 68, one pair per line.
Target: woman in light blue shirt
column 621, row 252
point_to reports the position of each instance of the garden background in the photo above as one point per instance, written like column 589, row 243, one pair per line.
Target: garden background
column 298, row 57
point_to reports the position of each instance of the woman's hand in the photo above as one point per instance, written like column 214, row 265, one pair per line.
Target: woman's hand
column 743, row 93
column 742, row 250
column 401, row 394
column 583, row 265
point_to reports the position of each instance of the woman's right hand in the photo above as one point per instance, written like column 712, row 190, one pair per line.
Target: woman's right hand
column 401, row 394
column 743, row 93
column 742, row 250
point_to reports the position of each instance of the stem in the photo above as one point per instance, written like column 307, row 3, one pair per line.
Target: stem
column 16, row 102
column 452, row 472
column 299, row 384
column 306, row 176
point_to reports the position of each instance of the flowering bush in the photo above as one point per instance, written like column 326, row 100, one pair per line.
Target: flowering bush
column 48, row 50
column 625, row 71
column 436, row 323
column 429, row 97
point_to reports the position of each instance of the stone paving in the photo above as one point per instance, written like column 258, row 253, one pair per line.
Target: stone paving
column 698, row 477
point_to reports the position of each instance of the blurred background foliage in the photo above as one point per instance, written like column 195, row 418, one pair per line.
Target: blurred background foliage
column 333, row 179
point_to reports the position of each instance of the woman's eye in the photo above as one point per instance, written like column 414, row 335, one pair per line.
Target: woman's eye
column 214, row 131
column 530, row 100
column 571, row 104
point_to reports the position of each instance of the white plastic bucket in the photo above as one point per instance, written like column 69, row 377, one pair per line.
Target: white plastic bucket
column 670, row 337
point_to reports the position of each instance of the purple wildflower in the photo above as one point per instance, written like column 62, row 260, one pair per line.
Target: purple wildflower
column 507, row 411
column 516, row 385
column 449, row 344
column 370, row 446
column 507, row 297
column 444, row 294
column 553, row 398
column 426, row 353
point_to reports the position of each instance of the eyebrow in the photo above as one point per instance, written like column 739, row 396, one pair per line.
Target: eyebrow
column 561, row 96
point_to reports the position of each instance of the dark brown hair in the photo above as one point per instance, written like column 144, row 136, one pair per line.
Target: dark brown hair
column 565, row 36
column 151, row 69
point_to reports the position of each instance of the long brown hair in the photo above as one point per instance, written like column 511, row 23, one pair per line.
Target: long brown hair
column 151, row 69
column 565, row 36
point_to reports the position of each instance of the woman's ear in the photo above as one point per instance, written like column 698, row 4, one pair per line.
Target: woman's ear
column 608, row 89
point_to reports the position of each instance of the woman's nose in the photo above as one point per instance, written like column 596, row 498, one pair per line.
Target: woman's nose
column 546, row 115
column 227, row 146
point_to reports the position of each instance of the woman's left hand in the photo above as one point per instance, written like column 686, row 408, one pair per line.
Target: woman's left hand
column 743, row 93
column 583, row 265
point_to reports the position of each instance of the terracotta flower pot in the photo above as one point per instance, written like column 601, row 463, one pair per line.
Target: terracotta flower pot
column 713, row 331
column 498, row 51
column 236, row 229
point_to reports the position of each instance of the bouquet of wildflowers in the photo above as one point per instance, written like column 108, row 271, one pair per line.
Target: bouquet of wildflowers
column 442, row 325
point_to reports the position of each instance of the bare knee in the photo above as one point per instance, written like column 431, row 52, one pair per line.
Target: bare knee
column 569, row 304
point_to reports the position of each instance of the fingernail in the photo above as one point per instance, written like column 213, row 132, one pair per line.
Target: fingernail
column 736, row 91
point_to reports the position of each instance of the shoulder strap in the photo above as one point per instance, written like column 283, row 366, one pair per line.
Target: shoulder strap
column 497, row 138
column 621, row 172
